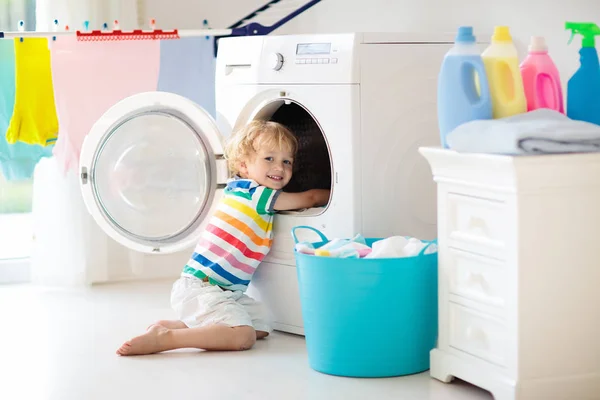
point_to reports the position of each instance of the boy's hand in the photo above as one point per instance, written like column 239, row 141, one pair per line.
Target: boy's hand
column 308, row 199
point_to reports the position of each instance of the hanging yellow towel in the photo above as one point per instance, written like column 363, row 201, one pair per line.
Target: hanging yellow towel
column 34, row 119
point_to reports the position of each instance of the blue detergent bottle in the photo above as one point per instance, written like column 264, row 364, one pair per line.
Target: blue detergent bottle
column 463, row 89
column 583, row 90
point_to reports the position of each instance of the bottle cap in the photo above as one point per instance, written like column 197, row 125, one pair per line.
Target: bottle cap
column 465, row 35
column 501, row 35
column 537, row 44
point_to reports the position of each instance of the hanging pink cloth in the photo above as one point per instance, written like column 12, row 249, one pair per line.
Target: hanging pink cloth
column 90, row 77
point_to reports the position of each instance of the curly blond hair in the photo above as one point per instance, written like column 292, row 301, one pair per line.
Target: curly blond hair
column 245, row 143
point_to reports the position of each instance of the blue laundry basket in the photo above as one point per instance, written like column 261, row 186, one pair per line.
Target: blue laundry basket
column 370, row 317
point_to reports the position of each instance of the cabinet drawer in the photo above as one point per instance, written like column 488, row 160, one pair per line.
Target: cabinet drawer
column 478, row 225
column 477, row 278
column 478, row 334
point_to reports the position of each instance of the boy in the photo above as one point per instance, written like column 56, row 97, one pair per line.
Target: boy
column 214, row 313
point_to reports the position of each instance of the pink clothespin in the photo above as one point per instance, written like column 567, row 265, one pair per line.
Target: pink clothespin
column 152, row 24
column 116, row 26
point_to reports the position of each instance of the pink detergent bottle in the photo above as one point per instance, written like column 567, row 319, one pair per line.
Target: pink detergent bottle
column 541, row 80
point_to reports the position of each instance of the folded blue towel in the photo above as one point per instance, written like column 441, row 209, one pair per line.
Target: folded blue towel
column 17, row 161
column 541, row 131
column 187, row 68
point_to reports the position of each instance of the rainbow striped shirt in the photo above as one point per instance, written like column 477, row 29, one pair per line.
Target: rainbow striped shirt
column 237, row 237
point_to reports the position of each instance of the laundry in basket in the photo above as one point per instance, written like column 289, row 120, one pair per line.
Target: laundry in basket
column 368, row 317
column 400, row 246
column 342, row 248
column 395, row 246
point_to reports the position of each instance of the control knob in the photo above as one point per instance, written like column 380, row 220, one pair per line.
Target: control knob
column 276, row 61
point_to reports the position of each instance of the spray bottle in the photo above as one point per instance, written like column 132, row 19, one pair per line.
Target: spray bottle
column 583, row 90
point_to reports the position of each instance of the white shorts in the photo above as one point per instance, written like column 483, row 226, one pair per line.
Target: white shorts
column 199, row 303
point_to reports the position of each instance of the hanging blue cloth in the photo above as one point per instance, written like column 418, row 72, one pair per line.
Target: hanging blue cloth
column 187, row 68
column 17, row 161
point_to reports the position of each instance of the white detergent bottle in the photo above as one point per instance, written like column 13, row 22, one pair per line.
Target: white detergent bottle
column 501, row 62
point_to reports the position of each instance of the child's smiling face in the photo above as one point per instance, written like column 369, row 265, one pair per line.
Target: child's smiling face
column 269, row 167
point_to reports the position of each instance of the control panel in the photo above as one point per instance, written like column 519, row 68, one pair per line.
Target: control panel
column 316, row 60
column 304, row 59
column 315, row 53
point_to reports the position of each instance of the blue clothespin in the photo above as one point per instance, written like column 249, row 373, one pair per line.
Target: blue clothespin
column 86, row 25
column 105, row 26
column 21, row 28
column 205, row 25
column 55, row 29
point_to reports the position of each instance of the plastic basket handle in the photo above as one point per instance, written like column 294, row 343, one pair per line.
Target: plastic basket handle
column 321, row 234
column 426, row 247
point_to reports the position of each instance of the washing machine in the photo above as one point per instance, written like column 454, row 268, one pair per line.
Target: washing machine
column 361, row 104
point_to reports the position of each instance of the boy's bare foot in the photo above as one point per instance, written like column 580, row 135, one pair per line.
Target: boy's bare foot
column 261, row 334
column 170, row 324
column 153, row 341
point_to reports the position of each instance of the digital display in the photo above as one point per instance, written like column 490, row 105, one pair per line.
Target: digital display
column 313, row 48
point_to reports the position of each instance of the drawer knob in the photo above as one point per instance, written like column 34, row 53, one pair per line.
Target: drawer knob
column 477, row 335
column 478, row 226
column 479, row 280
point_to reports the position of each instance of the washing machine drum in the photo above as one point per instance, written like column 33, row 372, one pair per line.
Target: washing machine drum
column 312, row 165
column 149, row 171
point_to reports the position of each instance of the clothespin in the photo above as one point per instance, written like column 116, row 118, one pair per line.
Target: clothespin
column 55, row 29
column 116, row 26
column 206, row 26
column 86, row 25
column 66, row 28
column 21, row 28
column 105, row 26
column 152, row 24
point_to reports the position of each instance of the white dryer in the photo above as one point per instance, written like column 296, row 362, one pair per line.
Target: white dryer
column 361, row 105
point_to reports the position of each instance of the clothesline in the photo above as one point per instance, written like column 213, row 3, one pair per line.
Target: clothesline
column 41, row 87
column 104, row 33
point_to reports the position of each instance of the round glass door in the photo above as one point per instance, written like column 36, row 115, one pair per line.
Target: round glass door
column 150, row 176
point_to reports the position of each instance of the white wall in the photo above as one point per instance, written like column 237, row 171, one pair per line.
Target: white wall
column 523, row 16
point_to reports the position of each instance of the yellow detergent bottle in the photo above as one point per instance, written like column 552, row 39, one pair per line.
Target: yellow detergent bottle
column 504, row 76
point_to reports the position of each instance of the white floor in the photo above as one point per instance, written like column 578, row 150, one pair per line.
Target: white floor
column 60, row 344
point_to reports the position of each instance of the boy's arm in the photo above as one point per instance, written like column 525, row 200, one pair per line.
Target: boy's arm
column 294, row 201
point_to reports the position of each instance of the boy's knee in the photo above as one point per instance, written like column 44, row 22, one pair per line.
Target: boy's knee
column 245, row 337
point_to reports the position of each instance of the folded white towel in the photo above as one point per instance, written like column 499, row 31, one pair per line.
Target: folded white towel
column 536, row 132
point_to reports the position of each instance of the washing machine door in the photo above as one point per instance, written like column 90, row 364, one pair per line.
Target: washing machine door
column 152, row 170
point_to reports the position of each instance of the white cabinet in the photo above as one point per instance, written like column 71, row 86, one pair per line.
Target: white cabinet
column 519, row 273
